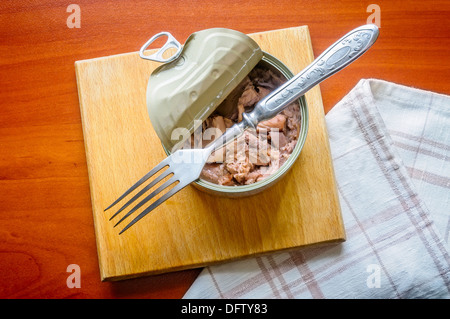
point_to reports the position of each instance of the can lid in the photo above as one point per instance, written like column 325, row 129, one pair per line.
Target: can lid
column 185, row 91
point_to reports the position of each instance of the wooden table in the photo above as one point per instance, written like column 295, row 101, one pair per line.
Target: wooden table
column 45, row 209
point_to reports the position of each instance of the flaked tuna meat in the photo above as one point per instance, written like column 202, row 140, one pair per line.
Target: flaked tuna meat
column 248, row 100
column 254, row 155
column 277, row 122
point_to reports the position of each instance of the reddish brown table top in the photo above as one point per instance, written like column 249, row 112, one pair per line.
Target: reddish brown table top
column 45, row 210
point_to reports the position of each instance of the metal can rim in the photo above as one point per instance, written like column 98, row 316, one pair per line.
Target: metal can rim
column 246, row 190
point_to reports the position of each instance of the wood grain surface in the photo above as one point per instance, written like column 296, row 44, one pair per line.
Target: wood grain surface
column 45, row 206
column 194, row 229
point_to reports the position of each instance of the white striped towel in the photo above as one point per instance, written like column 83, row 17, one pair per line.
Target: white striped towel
column 391, row 153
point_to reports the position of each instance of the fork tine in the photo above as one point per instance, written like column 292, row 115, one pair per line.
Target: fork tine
column 166, row 184
column 145, row 189
column 160, row 200
column 156, row 169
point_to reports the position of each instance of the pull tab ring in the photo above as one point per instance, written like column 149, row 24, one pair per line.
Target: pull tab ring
column 158, row 56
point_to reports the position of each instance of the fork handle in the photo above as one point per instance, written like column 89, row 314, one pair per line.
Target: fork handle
column 335, row 58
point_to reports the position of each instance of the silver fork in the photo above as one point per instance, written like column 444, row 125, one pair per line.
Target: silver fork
column 185, row 165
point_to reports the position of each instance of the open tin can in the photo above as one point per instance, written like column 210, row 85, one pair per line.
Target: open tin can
column 196, row 79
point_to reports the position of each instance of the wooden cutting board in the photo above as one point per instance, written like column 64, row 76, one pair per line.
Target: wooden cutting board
column 194, row 229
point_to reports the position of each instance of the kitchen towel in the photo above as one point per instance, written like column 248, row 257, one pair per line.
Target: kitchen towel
column 391, row 152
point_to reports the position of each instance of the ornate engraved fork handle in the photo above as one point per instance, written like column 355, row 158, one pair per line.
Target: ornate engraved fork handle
column 339, row 55
column 336, row 57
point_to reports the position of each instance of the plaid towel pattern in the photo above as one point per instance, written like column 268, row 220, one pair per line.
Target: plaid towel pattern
column 391, row 153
